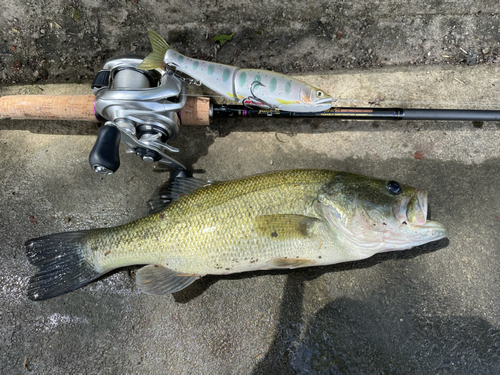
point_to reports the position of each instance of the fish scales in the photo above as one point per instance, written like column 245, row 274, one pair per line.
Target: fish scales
column 212, row 229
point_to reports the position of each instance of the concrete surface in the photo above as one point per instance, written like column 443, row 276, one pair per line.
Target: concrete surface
column 433, row 309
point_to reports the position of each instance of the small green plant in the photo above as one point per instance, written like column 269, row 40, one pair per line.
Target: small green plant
column 222, row 39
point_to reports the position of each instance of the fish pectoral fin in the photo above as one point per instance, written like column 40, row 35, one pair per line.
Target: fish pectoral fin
column 157, row 280
column 289, row 263
column 286, row 226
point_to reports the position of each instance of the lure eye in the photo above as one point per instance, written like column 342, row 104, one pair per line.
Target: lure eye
column 319, row 94
column 393, row 187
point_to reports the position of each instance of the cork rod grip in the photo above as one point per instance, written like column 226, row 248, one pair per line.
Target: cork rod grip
column 48, row 107
column 196, row 111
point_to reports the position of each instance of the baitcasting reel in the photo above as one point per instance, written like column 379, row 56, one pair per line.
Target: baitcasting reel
column 140, row 108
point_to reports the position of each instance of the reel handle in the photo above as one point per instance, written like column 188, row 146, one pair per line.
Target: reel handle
column 104, row 157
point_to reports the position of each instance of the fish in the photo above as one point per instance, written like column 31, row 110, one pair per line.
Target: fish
column 251, row 87
column 279, row 220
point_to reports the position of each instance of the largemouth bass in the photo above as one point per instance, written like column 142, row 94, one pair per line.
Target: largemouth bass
column 255, row 87
column 281, row 220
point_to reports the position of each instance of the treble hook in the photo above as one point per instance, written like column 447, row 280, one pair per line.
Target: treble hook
column 254, row 98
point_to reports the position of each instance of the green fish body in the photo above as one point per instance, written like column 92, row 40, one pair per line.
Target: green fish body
column 255, row 87
column 279, row 220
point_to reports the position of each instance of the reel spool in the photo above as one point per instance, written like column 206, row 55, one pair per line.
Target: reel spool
column 140, row 108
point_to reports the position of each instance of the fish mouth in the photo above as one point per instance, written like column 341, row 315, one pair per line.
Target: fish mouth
column 429, row 232
column 412, row 211
column 416, row 211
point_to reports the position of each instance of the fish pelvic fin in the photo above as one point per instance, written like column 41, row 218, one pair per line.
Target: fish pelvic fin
column 62, row 266
column 157, row 280
column 155, row 59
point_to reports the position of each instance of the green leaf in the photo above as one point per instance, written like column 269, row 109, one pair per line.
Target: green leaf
column 222, row 39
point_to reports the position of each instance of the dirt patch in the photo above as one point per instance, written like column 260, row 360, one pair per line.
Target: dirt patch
column 69, row 41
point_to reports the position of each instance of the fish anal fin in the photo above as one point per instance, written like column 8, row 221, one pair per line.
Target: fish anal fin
column 290, row 263
column 286, row 226
column 157, row 280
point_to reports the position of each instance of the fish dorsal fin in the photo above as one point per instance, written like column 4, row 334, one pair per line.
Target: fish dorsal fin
column 285, row 226
column 157, row 280
column 179, row 184
column 289, row 263
column 155, row 59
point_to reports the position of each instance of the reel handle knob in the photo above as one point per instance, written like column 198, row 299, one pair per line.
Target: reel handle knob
column 104, row 157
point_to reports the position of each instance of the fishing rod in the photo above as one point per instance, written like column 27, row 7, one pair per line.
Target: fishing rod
column 358, row 113
column 145, row 109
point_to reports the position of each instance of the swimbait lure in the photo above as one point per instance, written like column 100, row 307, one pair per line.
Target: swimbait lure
column 252, row 87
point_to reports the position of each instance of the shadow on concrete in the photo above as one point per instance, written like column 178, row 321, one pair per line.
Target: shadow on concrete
column 195, row 141
column 350, row 336
column 224, row 126
column 55, row 127
column 278, row 360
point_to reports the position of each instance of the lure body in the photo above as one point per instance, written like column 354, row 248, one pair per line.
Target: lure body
column 254, row 87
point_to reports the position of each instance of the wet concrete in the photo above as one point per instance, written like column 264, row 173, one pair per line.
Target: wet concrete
column 433, row 309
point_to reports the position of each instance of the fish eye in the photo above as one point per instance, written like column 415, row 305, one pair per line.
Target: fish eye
column 393, row 187
column 319, row 94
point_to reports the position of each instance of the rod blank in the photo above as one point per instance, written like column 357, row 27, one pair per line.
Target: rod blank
column 221, row 111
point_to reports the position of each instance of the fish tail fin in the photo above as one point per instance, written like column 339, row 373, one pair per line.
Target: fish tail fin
column 155, row 59
column 62, row 266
